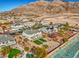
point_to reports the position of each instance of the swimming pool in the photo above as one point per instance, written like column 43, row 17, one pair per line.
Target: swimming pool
column 69, row 50
column 77, row 54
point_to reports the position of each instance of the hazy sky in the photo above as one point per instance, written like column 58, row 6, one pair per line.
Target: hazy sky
column 6, row 5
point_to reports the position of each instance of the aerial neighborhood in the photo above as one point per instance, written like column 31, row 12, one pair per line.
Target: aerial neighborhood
column 26, row 32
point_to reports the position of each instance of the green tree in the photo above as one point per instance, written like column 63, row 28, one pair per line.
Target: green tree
column 5, row 50
column 37, row 26
column 66, row 26
column 65, row 40
column 45, row 46
column 39, row 52
column 26, row 48
column 61, row 31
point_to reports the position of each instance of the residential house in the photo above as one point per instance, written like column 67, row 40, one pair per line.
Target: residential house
column 6, row 40
column 32, row 34
column 57, row 37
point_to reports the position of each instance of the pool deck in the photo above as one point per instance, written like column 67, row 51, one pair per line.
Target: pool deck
column 57, row 49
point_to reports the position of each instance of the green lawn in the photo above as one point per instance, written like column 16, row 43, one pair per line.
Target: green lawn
column 42, row 40
column 13, row 53
column 38, row 42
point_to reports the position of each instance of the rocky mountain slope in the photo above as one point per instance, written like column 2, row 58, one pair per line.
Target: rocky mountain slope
column 42, row 8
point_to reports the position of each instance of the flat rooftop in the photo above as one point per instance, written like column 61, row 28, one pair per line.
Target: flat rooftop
column 29, row 32
column 5, row 38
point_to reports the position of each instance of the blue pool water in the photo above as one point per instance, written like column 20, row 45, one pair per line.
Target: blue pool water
column 69, row 50
column 77, row 54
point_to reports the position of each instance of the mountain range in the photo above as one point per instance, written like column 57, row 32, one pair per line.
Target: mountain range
column 41, row 8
